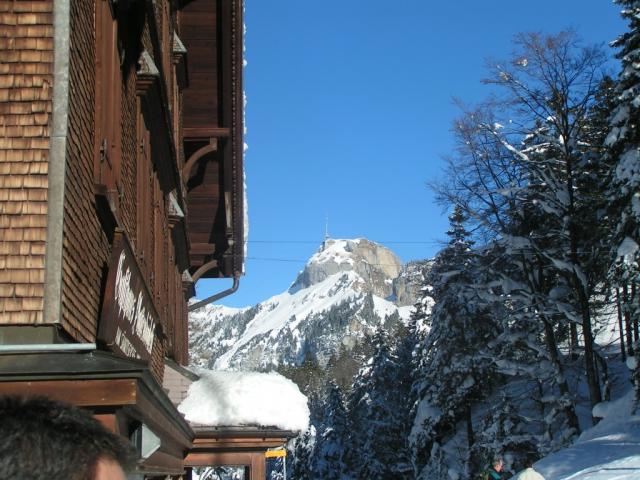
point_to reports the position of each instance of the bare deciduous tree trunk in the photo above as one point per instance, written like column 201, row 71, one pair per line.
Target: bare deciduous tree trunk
column 627, row 319
column 552, row 347
column 620, row 325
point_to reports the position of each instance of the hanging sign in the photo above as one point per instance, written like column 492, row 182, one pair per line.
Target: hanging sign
column 280, row 452
column 129, row 319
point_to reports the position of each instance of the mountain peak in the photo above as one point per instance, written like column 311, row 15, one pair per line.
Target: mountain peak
column 377, row 265
column 346, row 289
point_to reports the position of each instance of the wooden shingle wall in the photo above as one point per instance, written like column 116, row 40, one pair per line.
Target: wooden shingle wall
column 26, row 65
column 85, row 247
column 129, row 152
column 26, row 90
column 141, row 206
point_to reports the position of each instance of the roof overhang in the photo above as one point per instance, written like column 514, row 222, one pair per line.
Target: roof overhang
column 239, row 446
column 212, row 135
column 120, row 392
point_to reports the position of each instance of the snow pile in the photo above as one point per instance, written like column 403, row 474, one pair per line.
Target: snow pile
column 608, row 451
column 245, row 398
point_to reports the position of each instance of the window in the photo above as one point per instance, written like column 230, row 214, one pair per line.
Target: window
column 144, row 187
column 107, row 149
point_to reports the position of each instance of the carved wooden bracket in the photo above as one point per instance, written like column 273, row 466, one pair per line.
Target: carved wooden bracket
column 204, row 269
column 212, row 146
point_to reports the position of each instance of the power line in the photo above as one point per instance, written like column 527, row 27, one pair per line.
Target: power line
column 316, row 242
column 293, row 260
column 289, row 260
column 409, row 242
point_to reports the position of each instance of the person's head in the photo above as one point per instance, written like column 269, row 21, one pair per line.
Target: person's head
column 44, row 439
column 497, row 464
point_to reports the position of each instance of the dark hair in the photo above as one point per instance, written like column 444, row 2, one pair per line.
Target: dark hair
column 44, row 439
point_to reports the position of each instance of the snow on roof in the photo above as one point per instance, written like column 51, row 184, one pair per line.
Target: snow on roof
column 245, row 398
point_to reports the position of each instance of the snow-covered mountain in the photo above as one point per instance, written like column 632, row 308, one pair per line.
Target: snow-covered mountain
column 344, row 291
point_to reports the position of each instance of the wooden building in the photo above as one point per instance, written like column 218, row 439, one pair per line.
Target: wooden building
column 245, row 446
column 121, row 184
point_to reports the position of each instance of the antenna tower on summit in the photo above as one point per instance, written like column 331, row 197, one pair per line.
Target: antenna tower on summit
column 326, row 233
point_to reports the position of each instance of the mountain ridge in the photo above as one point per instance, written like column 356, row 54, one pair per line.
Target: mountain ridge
column 346, row 289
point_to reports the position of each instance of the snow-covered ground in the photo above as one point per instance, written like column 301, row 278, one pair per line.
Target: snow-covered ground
column 608, row 451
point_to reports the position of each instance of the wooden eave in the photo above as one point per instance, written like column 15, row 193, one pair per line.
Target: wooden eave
column 212, row 31
column 235, row 437
column 242, row 446
column 107, row 384
column 237, row 153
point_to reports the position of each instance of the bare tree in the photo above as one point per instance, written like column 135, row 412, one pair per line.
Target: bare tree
column 519, row 172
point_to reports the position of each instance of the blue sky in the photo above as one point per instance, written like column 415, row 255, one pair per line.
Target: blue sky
column 348, row 115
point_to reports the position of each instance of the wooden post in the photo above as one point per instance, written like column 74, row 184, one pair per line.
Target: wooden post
column 258, row 470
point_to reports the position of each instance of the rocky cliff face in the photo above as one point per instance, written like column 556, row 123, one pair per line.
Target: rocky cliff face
column 374, row 264
column 407, row 285
column 343, row 293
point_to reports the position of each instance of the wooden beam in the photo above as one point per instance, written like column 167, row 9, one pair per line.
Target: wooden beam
column 218, row 459
column 164, row 464
column 196, row 133
column 108, row 421
column 232, row 443
column 84, row 393
column 258, row 466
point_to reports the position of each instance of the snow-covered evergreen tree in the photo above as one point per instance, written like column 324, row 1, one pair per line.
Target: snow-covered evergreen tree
column 303, row 451
column 405, row 353
column 504, row 432
column 624, row 144
column 624, row 137
column 333, row 439
column 454, row 373
column 378, row 447
column 529, row 175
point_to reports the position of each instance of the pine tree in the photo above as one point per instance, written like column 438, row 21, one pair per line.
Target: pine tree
column 303, row 453
column 504, row 432
column 624, row 137
column 375, row 413
column 453, row 374
column 333, row 438
column 634, row 366
column 624, row 144
column 406, row 364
